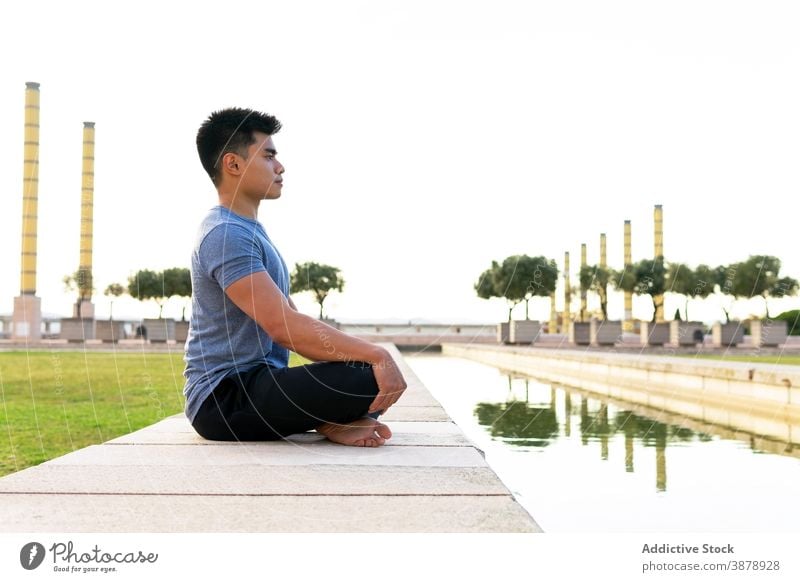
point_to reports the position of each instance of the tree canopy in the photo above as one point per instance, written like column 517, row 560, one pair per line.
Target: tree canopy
column 317, row 278
column 518, row 278
column 160, row 285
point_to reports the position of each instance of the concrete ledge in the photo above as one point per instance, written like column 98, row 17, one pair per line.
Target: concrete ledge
column 247, row 513
column 165, row 478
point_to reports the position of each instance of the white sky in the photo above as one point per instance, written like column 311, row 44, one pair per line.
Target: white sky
column 421, row 139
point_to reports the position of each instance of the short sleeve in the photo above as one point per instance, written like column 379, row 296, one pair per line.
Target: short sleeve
column 229, row 252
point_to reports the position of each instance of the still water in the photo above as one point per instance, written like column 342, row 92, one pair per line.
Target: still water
column 579, row 462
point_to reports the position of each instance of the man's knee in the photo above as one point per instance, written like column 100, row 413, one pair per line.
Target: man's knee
column 367, row 381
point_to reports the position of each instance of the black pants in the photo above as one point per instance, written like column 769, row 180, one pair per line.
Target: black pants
column 266, row 403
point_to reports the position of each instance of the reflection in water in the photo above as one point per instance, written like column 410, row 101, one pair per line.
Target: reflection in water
column 519, row 423
column 581, row 461
column 523, row 424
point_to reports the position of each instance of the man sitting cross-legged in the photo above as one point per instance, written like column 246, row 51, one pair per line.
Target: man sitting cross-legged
column 243, row 323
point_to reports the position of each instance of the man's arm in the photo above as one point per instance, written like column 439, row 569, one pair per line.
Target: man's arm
column 259, row 297
column 293, row 306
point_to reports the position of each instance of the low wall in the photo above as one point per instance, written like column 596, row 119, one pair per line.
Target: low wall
column 760, row 398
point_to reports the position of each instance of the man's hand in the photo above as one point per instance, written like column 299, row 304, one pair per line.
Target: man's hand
column 391, row 384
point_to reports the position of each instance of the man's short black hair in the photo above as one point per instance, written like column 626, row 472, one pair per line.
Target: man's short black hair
column 230, row 130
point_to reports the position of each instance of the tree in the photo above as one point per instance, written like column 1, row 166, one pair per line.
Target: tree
column 510, row 286
column 82, row 282
column 488, row 285
column 792, row 319
column 651, row 280
column 540, row 275
column 178, row 283
column 160, row 286
column 519, row 278
column 758, row 276
column 146, row 284
column 681, row 279
column 783, row 287
column 596, row 278
column 319, row 279
column 113, row 290
column 623, row 279
column 647, row 277
column 723, row 276
column 703, row 283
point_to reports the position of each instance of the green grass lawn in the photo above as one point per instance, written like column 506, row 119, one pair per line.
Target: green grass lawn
column 54, row 402
column 759, row 359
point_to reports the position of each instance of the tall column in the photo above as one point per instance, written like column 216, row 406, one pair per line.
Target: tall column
column 87, row 209
column 583, row 291
column 658, row 240
column 567, row 293
column 627, row 320
column 553, row 327
column 603, row 257
column 27, row 318
column 603, row 261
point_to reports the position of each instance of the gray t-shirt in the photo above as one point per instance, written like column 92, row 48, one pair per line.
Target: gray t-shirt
column 222, row 338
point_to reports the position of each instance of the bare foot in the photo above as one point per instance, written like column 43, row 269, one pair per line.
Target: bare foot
column 364, row 432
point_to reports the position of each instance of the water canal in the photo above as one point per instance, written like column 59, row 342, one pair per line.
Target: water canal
column 580, row 462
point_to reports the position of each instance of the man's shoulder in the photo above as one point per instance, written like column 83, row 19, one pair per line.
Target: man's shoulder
column 221, row 226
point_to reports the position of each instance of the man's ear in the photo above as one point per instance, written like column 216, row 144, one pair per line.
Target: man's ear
column 231, row 164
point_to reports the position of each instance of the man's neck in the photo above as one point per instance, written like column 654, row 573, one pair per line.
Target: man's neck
column 240, row 205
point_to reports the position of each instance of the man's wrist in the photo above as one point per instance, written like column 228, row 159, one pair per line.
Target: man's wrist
column 378, row 356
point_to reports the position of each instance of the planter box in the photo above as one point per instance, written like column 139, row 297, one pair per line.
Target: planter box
column 728, row 334
column 524, row 331
column 502, row 333
column 181, row 331
column 595, row 332
column 159, row 330
column 110, row 331
column 770, row 332
column 77, row 330
column 654, row 334
column 686, row 333
column 580, row 333
column 604, row 333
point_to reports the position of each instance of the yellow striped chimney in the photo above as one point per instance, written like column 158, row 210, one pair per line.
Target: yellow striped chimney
column 583, row 291
column 30, row 190
column 603, row 257
column 27, row 316
column 567, row 292
column 627, row 320
column 658, row 243
column 87, row 206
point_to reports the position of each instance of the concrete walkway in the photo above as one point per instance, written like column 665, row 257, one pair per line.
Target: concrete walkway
column 165, row 478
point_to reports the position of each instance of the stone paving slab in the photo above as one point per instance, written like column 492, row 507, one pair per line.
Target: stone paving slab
column 417, row 397
column 416, row 413
column 273, row 453
column 404, row 434
column 246, row 513
column 165, row 478
column 256, row 480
